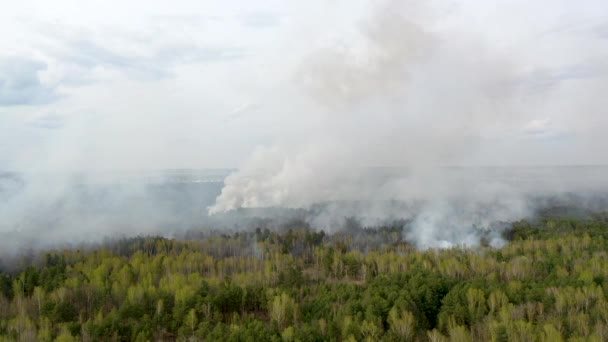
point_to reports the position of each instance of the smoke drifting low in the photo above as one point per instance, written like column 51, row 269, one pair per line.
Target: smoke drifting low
column 46, row 210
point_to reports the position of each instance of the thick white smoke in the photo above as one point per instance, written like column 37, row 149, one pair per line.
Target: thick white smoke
column 404, row 90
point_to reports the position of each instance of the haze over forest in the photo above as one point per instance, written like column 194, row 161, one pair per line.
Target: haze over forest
column 157, row 118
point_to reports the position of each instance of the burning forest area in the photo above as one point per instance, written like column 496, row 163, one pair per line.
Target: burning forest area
column 354, row 170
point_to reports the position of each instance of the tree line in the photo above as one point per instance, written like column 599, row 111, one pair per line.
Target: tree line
column 548, row 283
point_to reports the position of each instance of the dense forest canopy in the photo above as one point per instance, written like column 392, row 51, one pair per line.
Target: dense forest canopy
column 548, row 283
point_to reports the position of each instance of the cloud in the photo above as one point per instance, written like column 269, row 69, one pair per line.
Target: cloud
column 544, row 130
column 602, row 31
column 544, row 79
column 146, row 64
column 48, row 121
column 20, row 83
column 242, row 111
column 537, row 126
column 259, row 20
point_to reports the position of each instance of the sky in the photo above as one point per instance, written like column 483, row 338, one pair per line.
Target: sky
column 115, row 85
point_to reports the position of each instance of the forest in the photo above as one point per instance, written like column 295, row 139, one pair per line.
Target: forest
column 549, row 282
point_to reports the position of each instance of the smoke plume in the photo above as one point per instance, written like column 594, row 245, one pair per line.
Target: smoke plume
column 404, row 92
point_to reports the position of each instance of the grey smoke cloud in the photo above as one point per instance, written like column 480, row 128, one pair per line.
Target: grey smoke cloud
column 404, row 92
column 403, row 96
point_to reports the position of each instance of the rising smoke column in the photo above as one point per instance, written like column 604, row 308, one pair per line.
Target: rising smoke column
column 404, row 92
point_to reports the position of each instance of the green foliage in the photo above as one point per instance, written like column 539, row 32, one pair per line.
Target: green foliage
column 228, row 299
column 291, row 276
column 549, row 283
column 53, row 274
column 6, row 288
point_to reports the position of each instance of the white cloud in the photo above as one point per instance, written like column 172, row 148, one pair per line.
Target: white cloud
column 538, row 126
column 20, row 83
